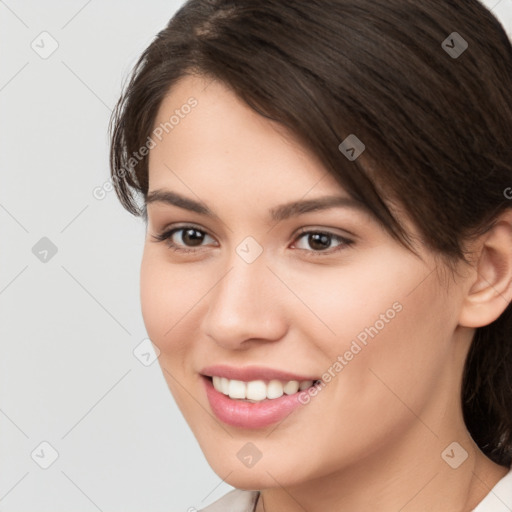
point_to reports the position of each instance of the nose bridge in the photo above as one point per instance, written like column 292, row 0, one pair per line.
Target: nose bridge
column 242, row 305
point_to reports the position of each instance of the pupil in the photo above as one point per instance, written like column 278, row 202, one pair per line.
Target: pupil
column 319, row 238
column 189, row 238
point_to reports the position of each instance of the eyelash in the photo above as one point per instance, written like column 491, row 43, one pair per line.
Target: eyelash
column 166, row 236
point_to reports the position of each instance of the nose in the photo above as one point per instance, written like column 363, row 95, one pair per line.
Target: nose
column 246, row 305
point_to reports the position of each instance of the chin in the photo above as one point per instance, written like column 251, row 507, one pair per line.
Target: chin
column 262, row 475
column 253, row 479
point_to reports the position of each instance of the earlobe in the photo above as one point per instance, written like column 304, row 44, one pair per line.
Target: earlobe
column 490, row 292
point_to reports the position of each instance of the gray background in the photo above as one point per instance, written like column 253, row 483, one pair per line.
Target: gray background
column 70, row 321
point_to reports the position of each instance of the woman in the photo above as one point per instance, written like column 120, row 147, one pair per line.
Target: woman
column 327, row 271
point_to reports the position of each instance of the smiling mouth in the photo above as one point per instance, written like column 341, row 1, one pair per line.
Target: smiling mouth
column 258, row 390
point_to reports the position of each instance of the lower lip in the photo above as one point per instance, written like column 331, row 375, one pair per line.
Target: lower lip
column 239, row 413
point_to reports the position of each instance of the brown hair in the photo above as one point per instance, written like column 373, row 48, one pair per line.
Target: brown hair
column 434, row 115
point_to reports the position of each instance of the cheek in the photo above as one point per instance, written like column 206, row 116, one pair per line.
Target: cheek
column 380, row 333
column 168, row 294
column 349, row 301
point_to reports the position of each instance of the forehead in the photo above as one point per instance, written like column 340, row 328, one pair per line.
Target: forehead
column 221, row 136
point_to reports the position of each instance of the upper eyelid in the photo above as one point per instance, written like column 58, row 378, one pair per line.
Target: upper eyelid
column 185, row 225
column 173, row 229
column 167, row 233
column 302, row 231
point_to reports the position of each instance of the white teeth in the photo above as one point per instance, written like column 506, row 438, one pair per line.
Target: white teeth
column 291, row 387
column 274, row 389
column 258, row 390
column 224, row 385
column 237, row 389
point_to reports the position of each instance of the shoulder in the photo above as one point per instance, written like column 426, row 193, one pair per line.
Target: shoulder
column 236, row 500
column 499, row 498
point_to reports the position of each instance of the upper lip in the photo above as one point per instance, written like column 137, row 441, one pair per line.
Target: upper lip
column 249, row 373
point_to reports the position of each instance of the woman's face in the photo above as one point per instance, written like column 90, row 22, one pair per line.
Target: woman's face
column 254, row 290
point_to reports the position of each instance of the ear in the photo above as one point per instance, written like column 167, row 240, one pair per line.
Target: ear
column 490, row 287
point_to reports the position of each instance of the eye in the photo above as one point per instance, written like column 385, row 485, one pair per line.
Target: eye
column 189, row 239
column 321, row 242
column 183, row 239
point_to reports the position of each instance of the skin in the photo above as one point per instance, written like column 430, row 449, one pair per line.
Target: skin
column 373, row 437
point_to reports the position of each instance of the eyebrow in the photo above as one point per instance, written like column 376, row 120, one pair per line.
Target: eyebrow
column 278, row 213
